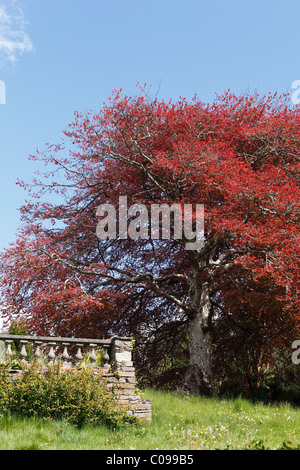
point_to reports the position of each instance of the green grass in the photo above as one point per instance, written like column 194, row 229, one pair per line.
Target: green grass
column 178, row 422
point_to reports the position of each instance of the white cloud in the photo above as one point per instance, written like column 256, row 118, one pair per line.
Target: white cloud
column 14, row 40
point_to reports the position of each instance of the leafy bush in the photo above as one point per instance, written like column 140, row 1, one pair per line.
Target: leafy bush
column 76, row 395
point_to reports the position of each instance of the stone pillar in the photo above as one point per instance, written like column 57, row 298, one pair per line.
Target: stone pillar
column 121, row 352
column 121, row 379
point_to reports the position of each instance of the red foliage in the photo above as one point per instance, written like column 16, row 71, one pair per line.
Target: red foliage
column 239, row 156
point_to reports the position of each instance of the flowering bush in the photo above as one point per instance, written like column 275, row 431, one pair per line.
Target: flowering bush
column 76, row 395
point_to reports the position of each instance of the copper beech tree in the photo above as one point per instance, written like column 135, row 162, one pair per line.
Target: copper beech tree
column 238, row 156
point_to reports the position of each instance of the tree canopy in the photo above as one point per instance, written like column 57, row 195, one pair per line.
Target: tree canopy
column 238, row 157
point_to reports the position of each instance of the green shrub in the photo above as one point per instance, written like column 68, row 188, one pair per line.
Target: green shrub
column 76, row 395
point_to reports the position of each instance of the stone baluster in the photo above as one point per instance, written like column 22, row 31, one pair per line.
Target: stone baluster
column 65, row 355
column 78, row 354
column 23, row 352
column 93, row 356
column 2, row 352
column 51, row 354
column 37, row 353
column 8, row 348
column 106, row 359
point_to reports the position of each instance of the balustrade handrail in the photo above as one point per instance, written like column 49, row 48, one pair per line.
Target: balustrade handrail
column 55, row 339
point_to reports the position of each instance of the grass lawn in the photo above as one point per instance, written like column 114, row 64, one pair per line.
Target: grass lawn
column 178, row 422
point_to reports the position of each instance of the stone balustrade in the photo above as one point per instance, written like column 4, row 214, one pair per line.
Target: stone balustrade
column 54, row 344
column 116, row 366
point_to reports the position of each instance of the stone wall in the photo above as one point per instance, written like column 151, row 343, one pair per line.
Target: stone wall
column 121, row 379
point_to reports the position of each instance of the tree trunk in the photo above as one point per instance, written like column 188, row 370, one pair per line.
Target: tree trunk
column 199, row 375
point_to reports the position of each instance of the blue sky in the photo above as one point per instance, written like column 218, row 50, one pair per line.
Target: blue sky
column 60, row 56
